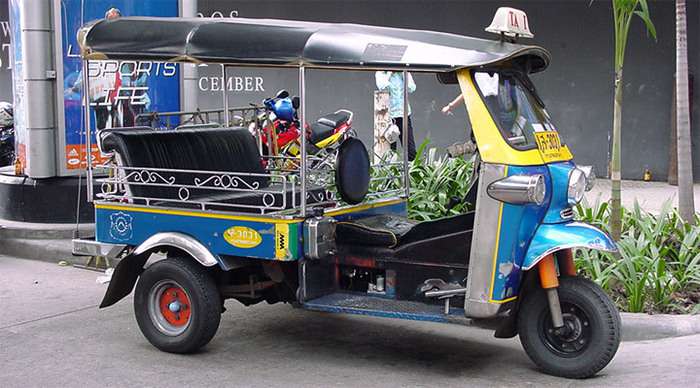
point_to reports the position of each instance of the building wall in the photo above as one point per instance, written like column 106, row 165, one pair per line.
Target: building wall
column 577, row 88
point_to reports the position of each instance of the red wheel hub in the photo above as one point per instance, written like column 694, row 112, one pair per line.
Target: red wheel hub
column 175, row 306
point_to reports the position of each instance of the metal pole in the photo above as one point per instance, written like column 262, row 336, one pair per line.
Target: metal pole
column 225, row 95
column 88, row 131
column 404, row 132
column 38, row 128
column 189, row 71
column 302, row 136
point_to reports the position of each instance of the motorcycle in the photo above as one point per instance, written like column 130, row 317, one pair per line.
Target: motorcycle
column 280, row 128
column 7, row 135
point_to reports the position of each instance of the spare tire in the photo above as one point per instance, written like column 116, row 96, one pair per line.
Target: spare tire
column 352, row 171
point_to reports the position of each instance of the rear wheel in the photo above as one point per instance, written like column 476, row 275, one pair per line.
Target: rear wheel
column 590, row 336
column 177, row 305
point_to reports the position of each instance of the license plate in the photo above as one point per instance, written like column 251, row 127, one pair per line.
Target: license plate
column 549, row 144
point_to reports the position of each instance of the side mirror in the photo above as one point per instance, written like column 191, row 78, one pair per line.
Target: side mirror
column 282, row 94
column 296, row 103
column 268, row 103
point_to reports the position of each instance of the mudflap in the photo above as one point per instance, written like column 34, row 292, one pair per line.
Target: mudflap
column 124, row 278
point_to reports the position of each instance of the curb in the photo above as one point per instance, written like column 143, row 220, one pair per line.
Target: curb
column 644, row 327
column 39, row 241
column 40, row 231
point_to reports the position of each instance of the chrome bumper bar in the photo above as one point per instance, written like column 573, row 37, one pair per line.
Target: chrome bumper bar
column 95, row 248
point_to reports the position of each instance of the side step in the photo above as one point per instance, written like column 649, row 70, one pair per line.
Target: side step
column 386, row 308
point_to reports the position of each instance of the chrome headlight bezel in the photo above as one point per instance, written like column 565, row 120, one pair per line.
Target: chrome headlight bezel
column 576, row 186
column 589, row 172
column 537, row 191
column 519, row 189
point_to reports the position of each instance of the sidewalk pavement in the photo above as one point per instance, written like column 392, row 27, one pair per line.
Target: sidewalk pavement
column 650, row 195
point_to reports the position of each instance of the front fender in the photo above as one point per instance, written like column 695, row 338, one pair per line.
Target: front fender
column 550, row 238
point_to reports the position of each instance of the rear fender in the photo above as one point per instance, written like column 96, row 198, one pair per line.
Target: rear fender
column 130, row 267
column 550, row 238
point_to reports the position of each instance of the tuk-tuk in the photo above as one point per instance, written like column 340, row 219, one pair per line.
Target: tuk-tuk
column 199, row 214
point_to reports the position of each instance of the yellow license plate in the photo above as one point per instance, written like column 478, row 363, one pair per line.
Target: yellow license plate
column 549, row 145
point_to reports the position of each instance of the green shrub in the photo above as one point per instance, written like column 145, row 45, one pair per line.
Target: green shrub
column 436, row 183
column 658, row 266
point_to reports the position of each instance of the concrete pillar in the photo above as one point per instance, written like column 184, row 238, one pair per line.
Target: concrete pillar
column 189, row 82
column 38, row 78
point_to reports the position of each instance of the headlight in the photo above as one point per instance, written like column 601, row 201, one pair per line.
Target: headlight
column 538, row 190
column 589, row 172
column 519, row 189
column 577, row 186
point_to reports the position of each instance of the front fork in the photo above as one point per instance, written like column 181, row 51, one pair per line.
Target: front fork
column 550, row 281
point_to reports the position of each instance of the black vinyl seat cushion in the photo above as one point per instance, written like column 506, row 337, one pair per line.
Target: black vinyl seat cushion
column 444, row 242
column 319, row 132
column 391, row 231
column 230, row 150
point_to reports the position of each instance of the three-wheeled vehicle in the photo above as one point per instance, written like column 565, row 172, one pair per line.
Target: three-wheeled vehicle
column 198, row 215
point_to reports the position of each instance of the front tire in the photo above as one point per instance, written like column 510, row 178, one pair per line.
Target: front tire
column 591, row 335
column 177, row 305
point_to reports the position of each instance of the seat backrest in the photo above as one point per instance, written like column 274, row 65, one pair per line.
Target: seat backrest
column 213, row 149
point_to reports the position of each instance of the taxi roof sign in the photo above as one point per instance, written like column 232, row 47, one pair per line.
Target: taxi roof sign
column 510, row 22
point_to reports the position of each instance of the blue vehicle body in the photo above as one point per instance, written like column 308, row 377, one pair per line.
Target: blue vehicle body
column 274, row 238
column 528, row 233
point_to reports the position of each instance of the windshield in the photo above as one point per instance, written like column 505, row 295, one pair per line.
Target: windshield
column 514, row 107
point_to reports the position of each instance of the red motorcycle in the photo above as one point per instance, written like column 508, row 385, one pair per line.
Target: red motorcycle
column 281, row 129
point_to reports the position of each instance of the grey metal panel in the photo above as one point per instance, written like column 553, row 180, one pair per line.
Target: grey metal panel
column 35, row 15
column 476, row 304
column 40, row 93
column 36, row 44
column 37, row 50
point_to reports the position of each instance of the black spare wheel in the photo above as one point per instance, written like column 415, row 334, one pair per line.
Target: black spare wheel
column 352, row 171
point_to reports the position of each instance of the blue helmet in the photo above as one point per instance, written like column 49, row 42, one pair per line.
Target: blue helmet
column 283, row 109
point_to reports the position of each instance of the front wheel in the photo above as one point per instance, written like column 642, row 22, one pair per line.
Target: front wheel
column 177, row 305
column 590, row 336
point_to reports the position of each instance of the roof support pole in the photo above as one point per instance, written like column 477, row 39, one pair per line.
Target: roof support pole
column 88, row 130
column 225, row 94
column 404, row 136
column 302, row 136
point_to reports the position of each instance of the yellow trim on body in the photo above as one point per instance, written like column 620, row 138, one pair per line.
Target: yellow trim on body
column 205, row 214
column 493, row 148
column 504, row 300
column 364, row 207
column 202, row 214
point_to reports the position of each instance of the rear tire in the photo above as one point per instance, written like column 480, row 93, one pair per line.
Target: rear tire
column 177, row 305
column 592, row 336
